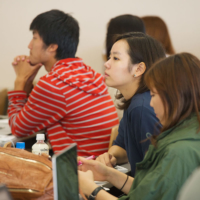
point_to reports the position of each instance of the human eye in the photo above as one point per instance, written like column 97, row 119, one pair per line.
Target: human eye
column 115, row 58
column 152, row 94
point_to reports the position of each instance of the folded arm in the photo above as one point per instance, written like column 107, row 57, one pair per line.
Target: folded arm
column 43, row 108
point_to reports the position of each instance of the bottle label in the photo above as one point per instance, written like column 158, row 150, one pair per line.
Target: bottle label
column 40, row 151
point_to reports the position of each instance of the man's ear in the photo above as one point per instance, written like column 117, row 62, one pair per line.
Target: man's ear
column 138, row 69
column 52, row 48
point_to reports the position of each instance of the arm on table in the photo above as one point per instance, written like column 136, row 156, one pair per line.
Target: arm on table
column 115, row 155
column 119, row 153
column 101, row 172
column 43, row 108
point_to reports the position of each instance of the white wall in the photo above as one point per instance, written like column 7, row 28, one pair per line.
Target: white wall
column 181, row 16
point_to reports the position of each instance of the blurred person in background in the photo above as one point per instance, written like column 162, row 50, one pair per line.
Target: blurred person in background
column 157, row 28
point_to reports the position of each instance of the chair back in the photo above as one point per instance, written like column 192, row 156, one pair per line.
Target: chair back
column 3, row 95
column 113, row 135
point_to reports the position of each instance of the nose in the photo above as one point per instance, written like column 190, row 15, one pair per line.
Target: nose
column 107, row 64
column 30, row 44
column 151, row 103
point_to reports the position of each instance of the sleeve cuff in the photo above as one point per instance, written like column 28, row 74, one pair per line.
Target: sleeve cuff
column 18, row 93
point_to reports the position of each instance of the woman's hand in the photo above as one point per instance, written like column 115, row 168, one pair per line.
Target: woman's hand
column 107, row 159
column 100, row 171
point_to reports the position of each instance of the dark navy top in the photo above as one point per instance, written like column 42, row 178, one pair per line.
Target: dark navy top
column 137, row 124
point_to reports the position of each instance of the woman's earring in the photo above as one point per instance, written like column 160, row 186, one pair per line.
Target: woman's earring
column 134, row 75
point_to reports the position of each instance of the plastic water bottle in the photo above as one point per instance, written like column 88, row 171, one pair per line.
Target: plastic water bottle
column 40, row 146
column 20, row 145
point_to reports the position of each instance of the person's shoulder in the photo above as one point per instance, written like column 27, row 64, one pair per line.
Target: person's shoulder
column 140, row 102
column 184, row 144
column 141, row 99
column 187, row 150
column 47, row 80
column 49, row 84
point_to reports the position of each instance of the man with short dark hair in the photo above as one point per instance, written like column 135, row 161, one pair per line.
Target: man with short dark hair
column 71, row 102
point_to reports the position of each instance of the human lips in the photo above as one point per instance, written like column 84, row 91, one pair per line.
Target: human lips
column 106, row 75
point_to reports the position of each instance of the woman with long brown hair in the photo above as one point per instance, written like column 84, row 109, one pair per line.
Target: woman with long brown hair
column 175, row 92
column 157, row 28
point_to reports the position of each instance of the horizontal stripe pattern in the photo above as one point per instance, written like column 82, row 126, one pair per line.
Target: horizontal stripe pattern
column 69, row 114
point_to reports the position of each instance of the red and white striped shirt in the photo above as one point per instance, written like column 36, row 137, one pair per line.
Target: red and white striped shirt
column 71, row 103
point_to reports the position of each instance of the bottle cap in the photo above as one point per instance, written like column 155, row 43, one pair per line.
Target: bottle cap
column 40, row 137
column 20, row 145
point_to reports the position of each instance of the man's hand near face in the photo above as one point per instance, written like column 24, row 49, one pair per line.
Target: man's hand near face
column 25, row 73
